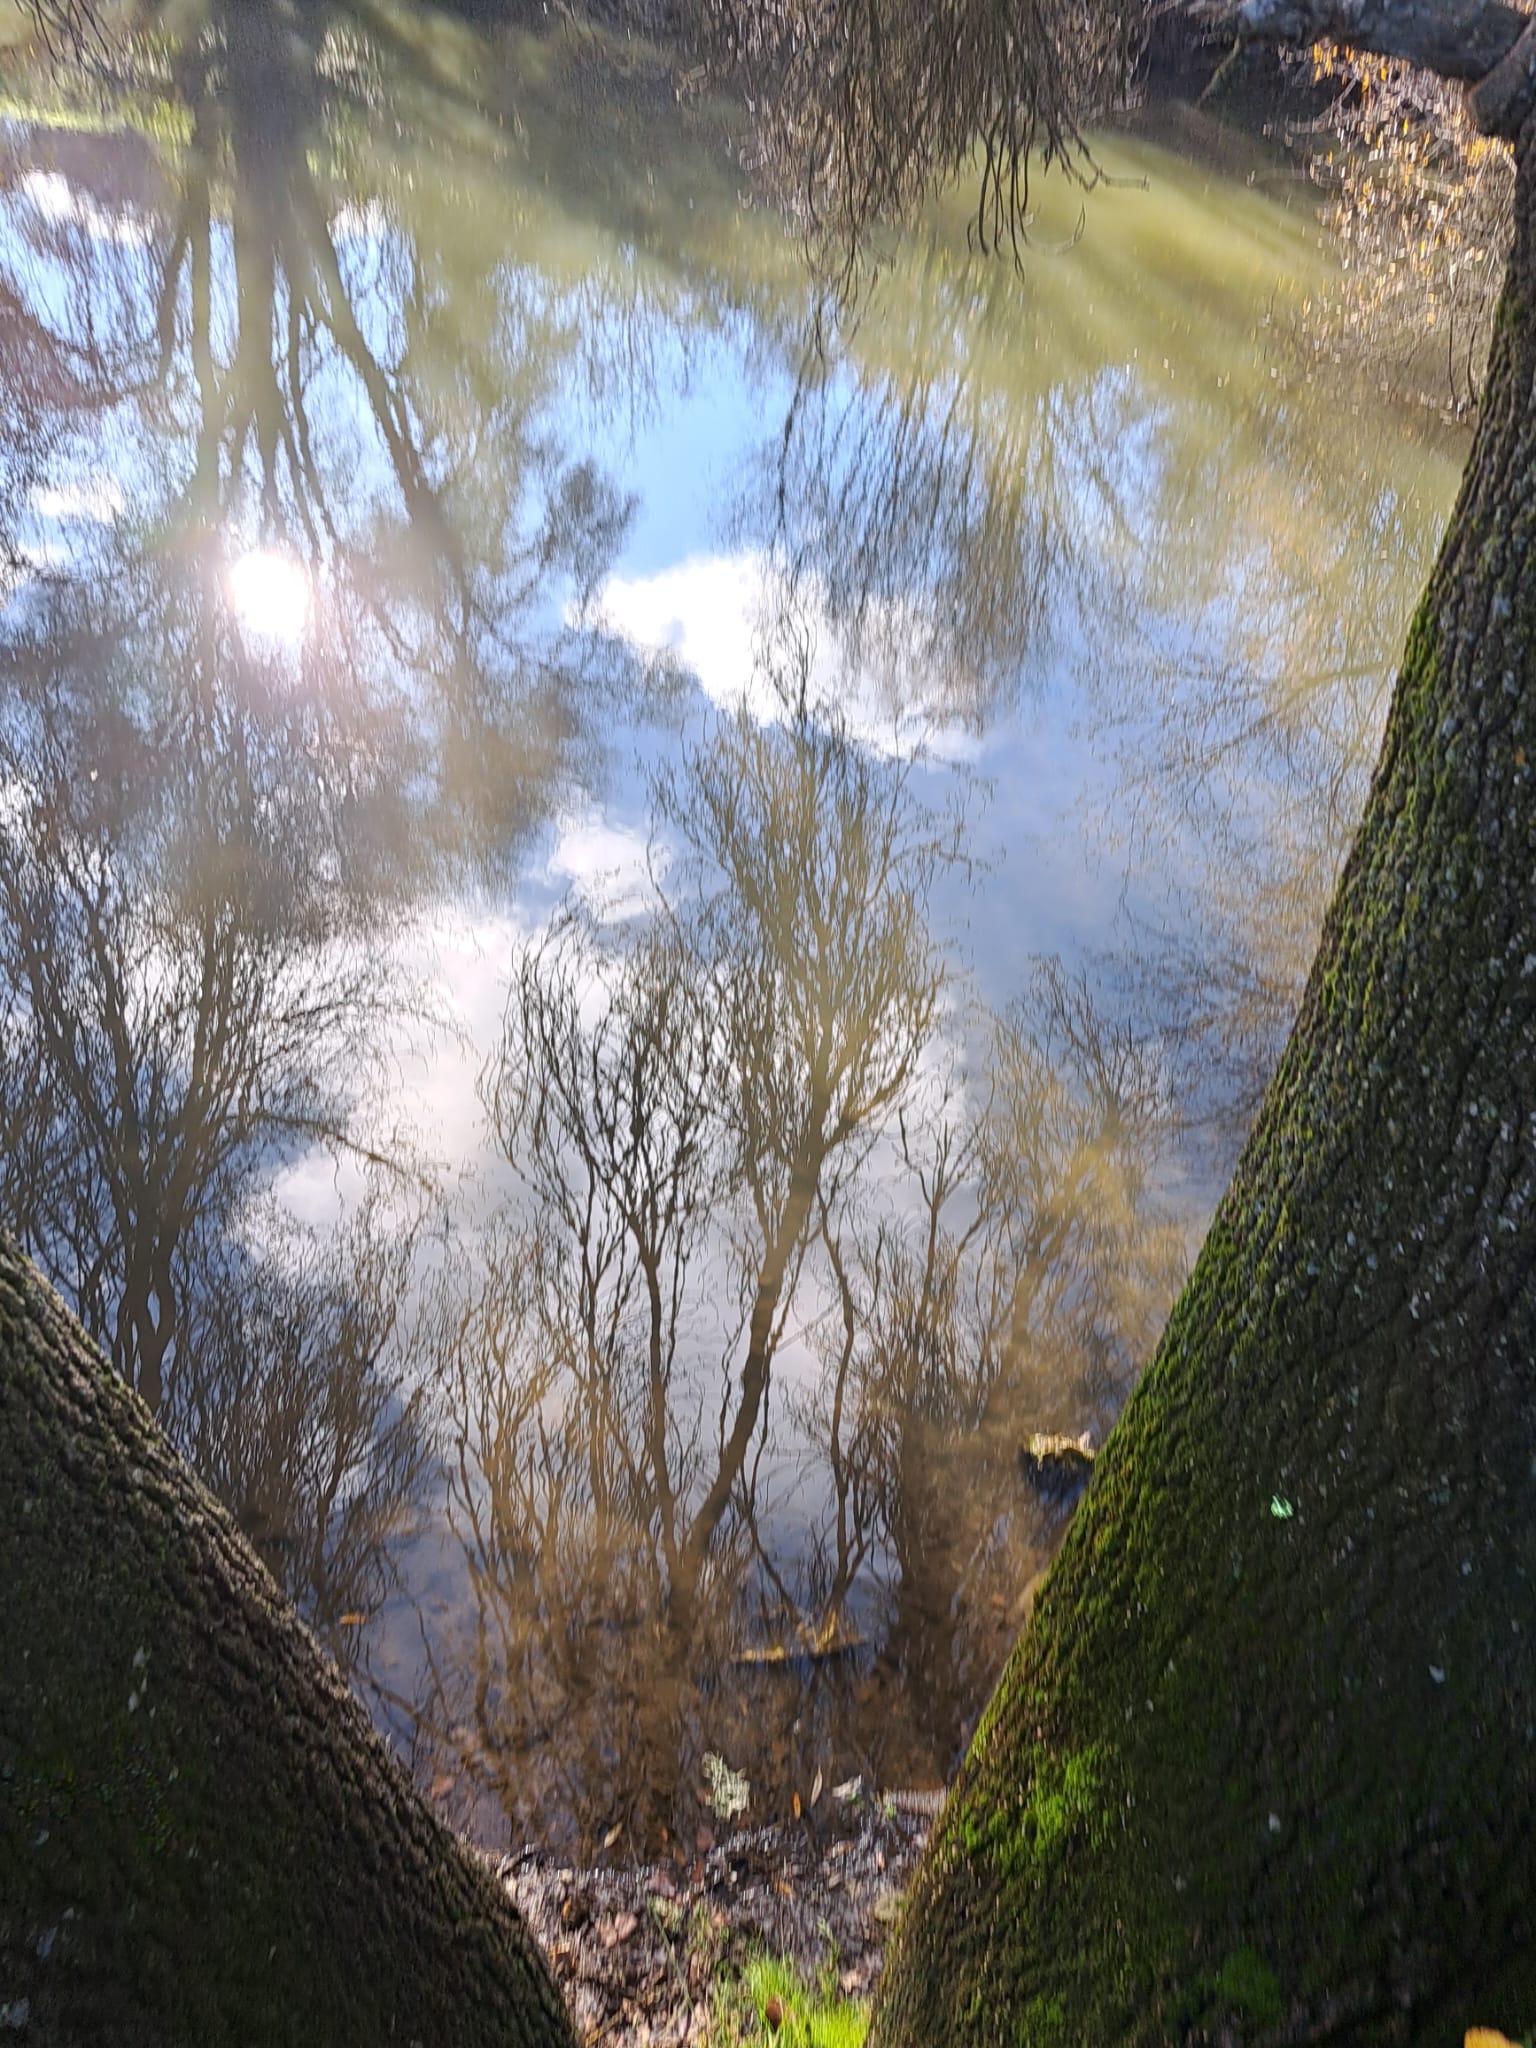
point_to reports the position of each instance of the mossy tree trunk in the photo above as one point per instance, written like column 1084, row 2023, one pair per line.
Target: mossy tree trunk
column 201, row 1838
column 1263, row 1768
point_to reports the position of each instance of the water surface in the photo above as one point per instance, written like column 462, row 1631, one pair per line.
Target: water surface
column 638, row 918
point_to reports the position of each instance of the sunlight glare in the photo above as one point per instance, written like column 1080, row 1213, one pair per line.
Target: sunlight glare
column 270, row 594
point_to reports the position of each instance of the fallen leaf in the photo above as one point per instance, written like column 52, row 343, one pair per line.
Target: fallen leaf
column 816, row 1788
column 795, row 1805
column 443, row 1784
column 773, row 2012
column 704, row 1838
column 662, row 1885
column 888, row 1908
column 613, row 1834
column 848, row 1790
column 618, row 1929
column 353, row 1620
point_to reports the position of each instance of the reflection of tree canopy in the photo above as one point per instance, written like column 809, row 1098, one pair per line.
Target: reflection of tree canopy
column 935, row 525
column 1246, row 746
column 210, row 829
column 300, row 347
column 766, row 1247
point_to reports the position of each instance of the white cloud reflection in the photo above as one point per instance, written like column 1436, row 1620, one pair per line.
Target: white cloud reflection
column 608, row 866
column 58, row 200
column 731, row 621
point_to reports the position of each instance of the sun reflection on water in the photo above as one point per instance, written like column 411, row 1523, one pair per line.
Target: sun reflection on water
column 270, row 593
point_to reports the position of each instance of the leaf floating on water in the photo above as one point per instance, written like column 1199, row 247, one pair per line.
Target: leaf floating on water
column 613, row 1834
column 729, row 1792
column 848, row 1791
column 795, row 1805
column 353, row 1620
column 816, row 1787
column 1280, row 1507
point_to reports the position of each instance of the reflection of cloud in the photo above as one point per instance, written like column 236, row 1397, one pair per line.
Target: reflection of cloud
column 97, row 498
column 364, row 220
column 56, row 199
column 732, row 620
column 608, row 866
column 457, row 963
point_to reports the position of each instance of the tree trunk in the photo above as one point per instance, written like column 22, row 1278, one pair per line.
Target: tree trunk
column 1263, row 1768
column 201, row 1838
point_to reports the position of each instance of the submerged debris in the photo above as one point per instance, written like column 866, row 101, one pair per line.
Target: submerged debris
column 1058, row 1468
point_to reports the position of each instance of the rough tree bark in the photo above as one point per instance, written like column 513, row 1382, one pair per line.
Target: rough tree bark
column 201, row 1838
column 1263, row 1769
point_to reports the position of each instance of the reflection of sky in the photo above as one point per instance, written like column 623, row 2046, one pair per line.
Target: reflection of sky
column 696, row 577
column 690, row 438
column 690, row 582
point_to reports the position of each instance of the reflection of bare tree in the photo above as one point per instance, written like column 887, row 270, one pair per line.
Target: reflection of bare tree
column 292, row 1408
column 1247, row 743
column 934, row 524
column 1080, row 1122
column 814, row 863
column 741, row 1160
column 1021, row 1286
column 687, row 1105
column 204, row 834
column 184, row 985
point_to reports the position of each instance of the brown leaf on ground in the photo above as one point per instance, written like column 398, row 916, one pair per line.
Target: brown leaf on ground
column 795, row 1892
